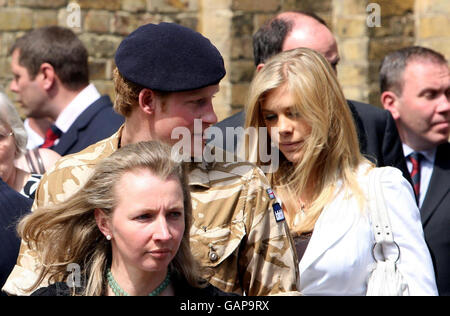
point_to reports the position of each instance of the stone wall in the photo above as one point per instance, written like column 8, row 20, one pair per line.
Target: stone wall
column 432, row 25
column 230, row 25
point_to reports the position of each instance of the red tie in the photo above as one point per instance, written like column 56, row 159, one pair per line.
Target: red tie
column 52, row 134
column 415, row 172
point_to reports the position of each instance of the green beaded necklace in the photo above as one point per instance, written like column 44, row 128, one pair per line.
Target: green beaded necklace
column 119, row 292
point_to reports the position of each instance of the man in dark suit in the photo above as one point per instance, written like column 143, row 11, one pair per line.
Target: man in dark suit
column 51, row 79
column 377, row 133
column 415, row 86
column 13, row 206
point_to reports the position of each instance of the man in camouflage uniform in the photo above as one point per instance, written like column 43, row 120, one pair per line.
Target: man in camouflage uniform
column 166, row 77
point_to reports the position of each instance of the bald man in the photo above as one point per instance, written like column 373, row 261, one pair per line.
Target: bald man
column 310, row 31
column 377, row 133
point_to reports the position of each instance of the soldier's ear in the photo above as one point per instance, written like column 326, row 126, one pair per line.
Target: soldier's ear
column 259, row 67
column 390, row 102
column 147, row 101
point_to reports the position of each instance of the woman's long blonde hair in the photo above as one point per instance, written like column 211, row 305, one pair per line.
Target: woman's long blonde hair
column 331, row 152
column 67, row 232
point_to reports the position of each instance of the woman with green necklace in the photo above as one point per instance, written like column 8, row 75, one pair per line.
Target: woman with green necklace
column 125, row 233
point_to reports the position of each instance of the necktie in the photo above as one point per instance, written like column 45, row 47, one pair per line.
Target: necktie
column 52, row 134
column 415, row 158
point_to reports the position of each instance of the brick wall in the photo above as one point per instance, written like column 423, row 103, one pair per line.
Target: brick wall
column 230, row 25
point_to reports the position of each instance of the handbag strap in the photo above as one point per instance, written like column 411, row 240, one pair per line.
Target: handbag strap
column 378, row 214
column 30, row 163
column 40, row 163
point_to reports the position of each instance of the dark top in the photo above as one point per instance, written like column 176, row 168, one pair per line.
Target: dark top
column 180, row 285
column 13, row 206
column 301, row 243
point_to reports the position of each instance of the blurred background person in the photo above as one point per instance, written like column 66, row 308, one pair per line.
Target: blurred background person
column 51, row 80
column 322, row 180
column 12, row 207
column 127, row 228
column 415, row 88
column 13, row 140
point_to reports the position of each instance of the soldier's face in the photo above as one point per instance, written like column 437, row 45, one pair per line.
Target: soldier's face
column 179, row 112
column 147, row 225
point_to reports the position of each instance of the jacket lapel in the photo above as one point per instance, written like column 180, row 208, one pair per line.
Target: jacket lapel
column 336, row 219
column 71, row 136
column 439, row 183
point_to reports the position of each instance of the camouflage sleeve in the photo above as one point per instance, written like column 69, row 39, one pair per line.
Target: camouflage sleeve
column 268, row 262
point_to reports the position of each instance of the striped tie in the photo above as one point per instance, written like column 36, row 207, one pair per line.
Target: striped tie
column 415, row 158
column 53, row 133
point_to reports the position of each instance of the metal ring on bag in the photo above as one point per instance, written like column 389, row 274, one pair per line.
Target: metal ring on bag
column 373, row 251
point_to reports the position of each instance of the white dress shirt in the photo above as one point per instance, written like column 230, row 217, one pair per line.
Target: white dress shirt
column 34, row 139
column 426, row 168
column 81, row 102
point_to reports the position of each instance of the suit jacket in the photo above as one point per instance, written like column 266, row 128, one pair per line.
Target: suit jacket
column 97, row 122
column 435, row 214
column 338, row 258
column 377, row 134
column 13, row 205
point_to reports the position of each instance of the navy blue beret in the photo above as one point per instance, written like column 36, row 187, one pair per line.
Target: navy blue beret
column 169, row 57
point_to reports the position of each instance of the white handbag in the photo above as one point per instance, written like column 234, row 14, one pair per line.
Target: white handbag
column 385, row 279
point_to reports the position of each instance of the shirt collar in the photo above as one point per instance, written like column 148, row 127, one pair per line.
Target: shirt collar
column 116, row 137
column 430, row 154
column 81, row 102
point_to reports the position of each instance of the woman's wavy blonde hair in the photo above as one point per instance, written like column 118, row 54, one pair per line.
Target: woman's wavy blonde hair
column 331, row 152
column 67, row 232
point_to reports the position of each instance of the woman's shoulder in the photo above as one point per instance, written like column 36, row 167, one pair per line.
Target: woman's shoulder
column 49, row 157
column 37, row 160
column 390, row 178
column 55, row 289
column 386, row 174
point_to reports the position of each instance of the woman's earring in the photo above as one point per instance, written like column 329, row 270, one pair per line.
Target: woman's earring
column 108, row 237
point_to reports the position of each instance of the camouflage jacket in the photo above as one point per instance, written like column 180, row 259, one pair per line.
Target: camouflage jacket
column 235, row 231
